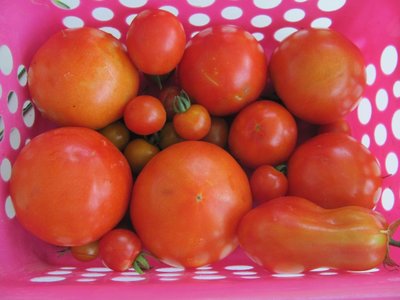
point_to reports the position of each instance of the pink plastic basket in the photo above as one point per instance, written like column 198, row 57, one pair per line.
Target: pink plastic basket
column 32, row 269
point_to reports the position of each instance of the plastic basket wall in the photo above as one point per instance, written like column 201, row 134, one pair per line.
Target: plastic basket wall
column 34, row 270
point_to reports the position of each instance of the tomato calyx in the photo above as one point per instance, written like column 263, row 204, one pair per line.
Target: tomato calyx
column 181, row 102
column 282, row 168
column 389, row 262
column 141, row 263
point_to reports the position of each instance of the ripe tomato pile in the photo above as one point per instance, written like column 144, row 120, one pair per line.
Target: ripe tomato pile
column 177, row 147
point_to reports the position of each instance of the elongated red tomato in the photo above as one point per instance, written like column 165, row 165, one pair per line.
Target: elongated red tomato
column 294, row 235
column 70, row 185
column 187, row 202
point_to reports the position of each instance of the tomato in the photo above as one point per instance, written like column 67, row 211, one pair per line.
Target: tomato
column 319, row 74
column 218, row 133
column 167, row 97
column 294, row 235
column 333, row 170
column 82, row 77
column 266, row 183
column 340, row 125
column 156, row 41
column 193, row 123
column 119, row 248
column 264, row 132
column 187, row 202
column 168, row 136
column 138, row 153
column 223, row 68
column 144, row 115
column 117, row 133
column 70, row 185
column 86, row 252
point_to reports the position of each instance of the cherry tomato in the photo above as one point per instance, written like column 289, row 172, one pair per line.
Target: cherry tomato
column 119, row 248
column 192, row 124
column 266, row 183
column 86, row 252
column 223, row 68
column 156, row 41
column 264, row 132
column 144, row 115
column 218, row 133
column 319, row 74
column 117, row 133
column 334, row 170
column 302, row 236
column 340, row 125
column 168, row 136
column 187, row 202
column 138, row 153
column 82, row 77
column 66, row 180
column 167, row 97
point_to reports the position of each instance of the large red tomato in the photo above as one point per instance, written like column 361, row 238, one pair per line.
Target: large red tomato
column 187, row 202
column 82, row 77
column 223, row 68
column 334, row 170
column 70, row 185
column 319, row 74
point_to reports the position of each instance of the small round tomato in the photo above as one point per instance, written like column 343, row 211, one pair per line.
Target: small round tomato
column 138, row 153
column 224, row 68
column 82, row 77
column 266, row 183
column 264, row 132
column 70, row 185
column 117, row 133
column 119, row 248
column 156, row 41
column 319, row 74
column 144, row 115
column 218, row 133
column 168, row 136
column 340, row 125
column 86, row 252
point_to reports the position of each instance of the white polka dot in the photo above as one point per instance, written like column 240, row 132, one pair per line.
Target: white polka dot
column 371, row 74
column 245, row 273
column 170, row 274
column 204, row 268
column 391, row 163
column 380, row 134
column 288, row 275
column 258, row 36
column 387, row 199
column 301, row 0
column 238, row 267
column 365, row 140
column 86, row 279
column 172, row 9
column 102, row 14
column 201, row 3
column 1, row 128
column 170, row 270
column 98, row 269
column 22, row 75
column 47, row 279
column 93, row 274
column 381, row 99
column 266, row 4
column 283, row 33
column 261, row 21
column 231, row 12
column 68, row 268
column 128, row 278
column 200, row 272
column 9, row 208
column 73, row 22
column 396, row 124
column 396, row 89
column 373, row 270
column 133, row 3
column 5, row 169
column 66, row 4
column 6, row 60
column 59, row 272
column 294, row 15
column 130, row 18
column 15, row 138
column 322, row 269
column 389, row 60
column 364, row 111
column 330, row 5
column 12, row 102
column 199, row 19
column 28, row 113
column 328, row 273
column 322, row 22
column 111, row 30
column 1, row 90
column 209, row 277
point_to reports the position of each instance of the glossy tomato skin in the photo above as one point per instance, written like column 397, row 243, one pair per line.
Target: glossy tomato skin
column 319, row 74
column 294, row 235
column 223, row 68
column 193, row 124
column 82, row 77
column 218, row 133
column 340, row 125
column 86, row 252
column 156, row 41
column 264, row 132
column 70, row 185
column 188, row 215
column 334, row 170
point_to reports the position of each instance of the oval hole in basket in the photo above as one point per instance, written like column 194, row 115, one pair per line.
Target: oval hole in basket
column 387, row 199
column 6, row 60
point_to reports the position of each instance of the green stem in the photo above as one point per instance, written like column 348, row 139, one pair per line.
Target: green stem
column 282, row 168
column 393, row 242
column 181, row 102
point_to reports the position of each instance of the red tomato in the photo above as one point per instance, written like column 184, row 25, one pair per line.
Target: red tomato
column 167, row 97
column 294, row 235
column 86, row 252
column 156, row 41
column 218, row 133
column 319, row 74
column 119, row 248
column 82, row 77
column 144, row 115
column 267, row 183
column 334, row 170
column 223, row 68
column 70, row 185
column 340, row 125
column 262, row 133
column 187, row 202
column 138, row 153
column 192, row 124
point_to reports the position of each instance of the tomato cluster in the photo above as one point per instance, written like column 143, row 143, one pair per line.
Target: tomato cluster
column 183, row 138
